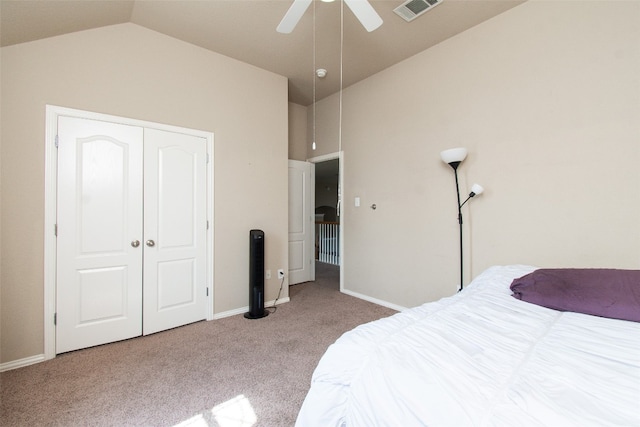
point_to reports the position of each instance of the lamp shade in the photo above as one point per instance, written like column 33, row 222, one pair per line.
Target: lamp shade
column 476, row 189
column 453, row 155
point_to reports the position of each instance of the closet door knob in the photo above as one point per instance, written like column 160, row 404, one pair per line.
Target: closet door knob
column 151, row 243
column 135, row 243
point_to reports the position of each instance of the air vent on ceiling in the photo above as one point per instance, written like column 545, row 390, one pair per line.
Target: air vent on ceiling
column 411, row 9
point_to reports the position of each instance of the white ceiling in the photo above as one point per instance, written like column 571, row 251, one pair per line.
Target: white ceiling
column 245, row 30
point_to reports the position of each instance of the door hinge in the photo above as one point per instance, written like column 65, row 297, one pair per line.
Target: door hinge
column 56, row 141
column 55, row 230
column 207, row 157
column 207, row 291
column 55, row 318
column 207, row 224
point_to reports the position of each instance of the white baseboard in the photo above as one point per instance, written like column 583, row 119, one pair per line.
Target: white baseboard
column 245, row 309
column 374, row 300
column 20, row 363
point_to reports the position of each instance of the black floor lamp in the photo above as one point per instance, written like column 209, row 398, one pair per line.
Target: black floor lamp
column 453, row 157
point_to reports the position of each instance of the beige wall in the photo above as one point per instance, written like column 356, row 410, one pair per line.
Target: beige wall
column 546, row 97
column 326, row 131
column 297, row 132
column 129, row 71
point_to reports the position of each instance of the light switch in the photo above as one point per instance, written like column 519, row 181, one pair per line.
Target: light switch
column 357, row 202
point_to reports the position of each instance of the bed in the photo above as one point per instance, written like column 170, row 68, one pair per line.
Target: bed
column 482, row 358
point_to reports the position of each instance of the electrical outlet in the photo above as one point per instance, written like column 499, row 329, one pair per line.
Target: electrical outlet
column 280, row 274
column 267, row 274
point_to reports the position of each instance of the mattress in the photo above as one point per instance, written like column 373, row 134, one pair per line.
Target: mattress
column 480, row 358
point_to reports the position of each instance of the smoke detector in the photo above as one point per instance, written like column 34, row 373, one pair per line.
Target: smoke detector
column 411, row 9
column 321, row 73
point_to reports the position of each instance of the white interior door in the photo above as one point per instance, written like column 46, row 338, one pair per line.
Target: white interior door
column 132, row 231
column 99, row 273
column 175, row 226
column 301, row 222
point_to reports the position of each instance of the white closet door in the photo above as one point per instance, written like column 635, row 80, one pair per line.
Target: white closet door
column 174, row 230
column 99, row 265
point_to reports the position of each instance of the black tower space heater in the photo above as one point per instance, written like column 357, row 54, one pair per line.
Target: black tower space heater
column 256, row 276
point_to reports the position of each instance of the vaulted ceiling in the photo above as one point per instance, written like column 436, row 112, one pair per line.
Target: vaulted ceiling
column 246, row 30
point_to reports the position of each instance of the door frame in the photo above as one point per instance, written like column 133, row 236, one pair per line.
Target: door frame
column 50, row 209
column 323, row 158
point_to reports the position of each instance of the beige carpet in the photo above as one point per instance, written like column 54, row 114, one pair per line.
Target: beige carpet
column 227, row 372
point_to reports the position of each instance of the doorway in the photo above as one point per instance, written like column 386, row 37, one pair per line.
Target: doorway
column 329, row 254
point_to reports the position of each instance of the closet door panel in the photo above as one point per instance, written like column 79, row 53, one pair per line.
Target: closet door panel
column 99, row 271
column 174, row 230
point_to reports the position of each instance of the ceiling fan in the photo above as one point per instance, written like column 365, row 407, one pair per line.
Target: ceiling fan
column 362, row 9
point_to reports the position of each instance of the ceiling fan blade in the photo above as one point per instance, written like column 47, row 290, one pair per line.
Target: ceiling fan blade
column 293, row 15
column 367, row 15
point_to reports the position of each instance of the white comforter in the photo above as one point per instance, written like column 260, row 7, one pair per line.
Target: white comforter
column 480, row 358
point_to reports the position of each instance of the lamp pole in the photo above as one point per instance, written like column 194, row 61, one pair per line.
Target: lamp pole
column 454, row 165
